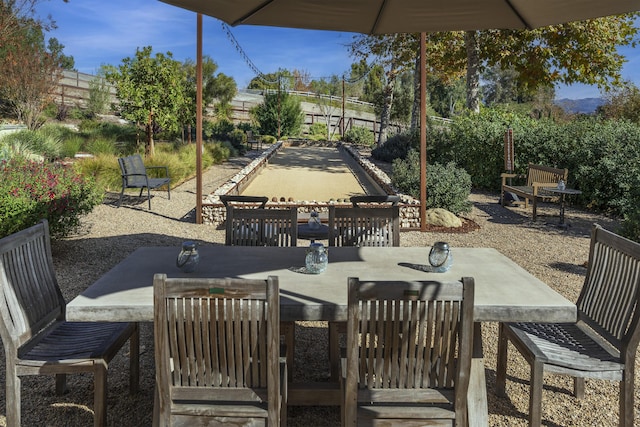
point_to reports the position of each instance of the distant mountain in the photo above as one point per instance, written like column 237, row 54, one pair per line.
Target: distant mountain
column 583, row 106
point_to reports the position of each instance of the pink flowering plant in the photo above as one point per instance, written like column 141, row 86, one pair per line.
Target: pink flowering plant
column 31, row 191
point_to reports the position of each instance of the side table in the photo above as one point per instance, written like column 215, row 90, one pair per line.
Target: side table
column 563, row 193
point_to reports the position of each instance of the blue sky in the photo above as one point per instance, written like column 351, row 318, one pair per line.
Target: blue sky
column 97, row 32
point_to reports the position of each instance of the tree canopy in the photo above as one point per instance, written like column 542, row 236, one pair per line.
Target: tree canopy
column 150, row 90
column 29, row 70
column 576, row 52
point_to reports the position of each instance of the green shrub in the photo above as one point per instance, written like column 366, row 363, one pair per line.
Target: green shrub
column 72, row 145
column 396, row 147
column 360, row 136
column 42, row 142
column 318, row 131
column 101, row 146
column 268, row 139
column 219, row 130
column 448, row 187
column 238, row 139
column 220, row 151
column 31, row 191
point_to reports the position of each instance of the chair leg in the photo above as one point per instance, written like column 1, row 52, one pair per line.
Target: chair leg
column 627, row 391
column 578, row 387
column 148, row 197
column 121, row 196
column 134, row 360
column 13, row 397
column 334, row 350
column 61, row 384
column 501, row 367
column 535, row 394
column 288, row 329
column 534, row 205
column 100, row 395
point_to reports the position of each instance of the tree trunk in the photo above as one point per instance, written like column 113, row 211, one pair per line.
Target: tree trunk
column 385, row 115
column 415, row 109
column 473, row 71
column 149, row 149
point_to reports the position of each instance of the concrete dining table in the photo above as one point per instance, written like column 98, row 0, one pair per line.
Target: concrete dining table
column 504, row 291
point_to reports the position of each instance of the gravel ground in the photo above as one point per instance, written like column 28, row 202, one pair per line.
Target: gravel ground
column 109, row 234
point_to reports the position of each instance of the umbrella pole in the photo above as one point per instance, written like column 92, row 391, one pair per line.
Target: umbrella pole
column 199, row 121
column 423, row 132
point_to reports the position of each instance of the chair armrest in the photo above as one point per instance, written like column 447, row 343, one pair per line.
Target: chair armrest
column 504, row 177
column 538, row 185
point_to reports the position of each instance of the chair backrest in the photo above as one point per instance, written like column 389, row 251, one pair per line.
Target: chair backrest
column 217, row 340
column 364, row 226
column 30, row 298
column 610, row 296
column 261, row 227
column 133, row 170
column 542, row 174
column 244, row 201
column 359, row 201
column 415, row 336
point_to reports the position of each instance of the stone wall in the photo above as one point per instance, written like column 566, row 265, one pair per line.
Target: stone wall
column 213, row 211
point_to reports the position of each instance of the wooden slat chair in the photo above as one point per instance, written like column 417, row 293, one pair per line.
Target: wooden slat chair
column 263, row 227
column 134, row 175
column 37, row 340
column 244, row 201
column 359, row 226
column 217, row 352
column 377, row 226
column 602, row 343
column 409, row 348
column 361, row 201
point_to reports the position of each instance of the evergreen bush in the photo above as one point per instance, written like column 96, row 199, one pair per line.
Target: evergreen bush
column 360, row 136
column 448, row 186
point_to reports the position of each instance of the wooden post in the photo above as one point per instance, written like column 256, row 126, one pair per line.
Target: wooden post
column 423, row 132
column 199, row 121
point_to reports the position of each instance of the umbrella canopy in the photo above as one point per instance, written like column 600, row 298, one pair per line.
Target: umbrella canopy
column 394, row 16
column 405, row 16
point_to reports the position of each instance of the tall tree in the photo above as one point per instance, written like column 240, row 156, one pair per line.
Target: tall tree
column 215, row 87
column 622, row 103
column 29, row 71
column 150, row 90
column 280, row 115
column 394, row 54
column 66, row 62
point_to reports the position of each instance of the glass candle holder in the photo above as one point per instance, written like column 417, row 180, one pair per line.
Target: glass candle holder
column 188, row 257
column 440, row 257
column 317, row 258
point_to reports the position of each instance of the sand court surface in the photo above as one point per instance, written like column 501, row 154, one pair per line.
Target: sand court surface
column 310, row 173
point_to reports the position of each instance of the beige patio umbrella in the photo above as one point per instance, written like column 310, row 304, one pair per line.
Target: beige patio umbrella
column 398, row 16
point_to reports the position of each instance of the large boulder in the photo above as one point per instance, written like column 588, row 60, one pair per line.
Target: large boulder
column 443, row 218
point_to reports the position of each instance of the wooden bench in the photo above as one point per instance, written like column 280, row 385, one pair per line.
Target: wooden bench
column 134, row 175
column 36, row 337
column 537, row 178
